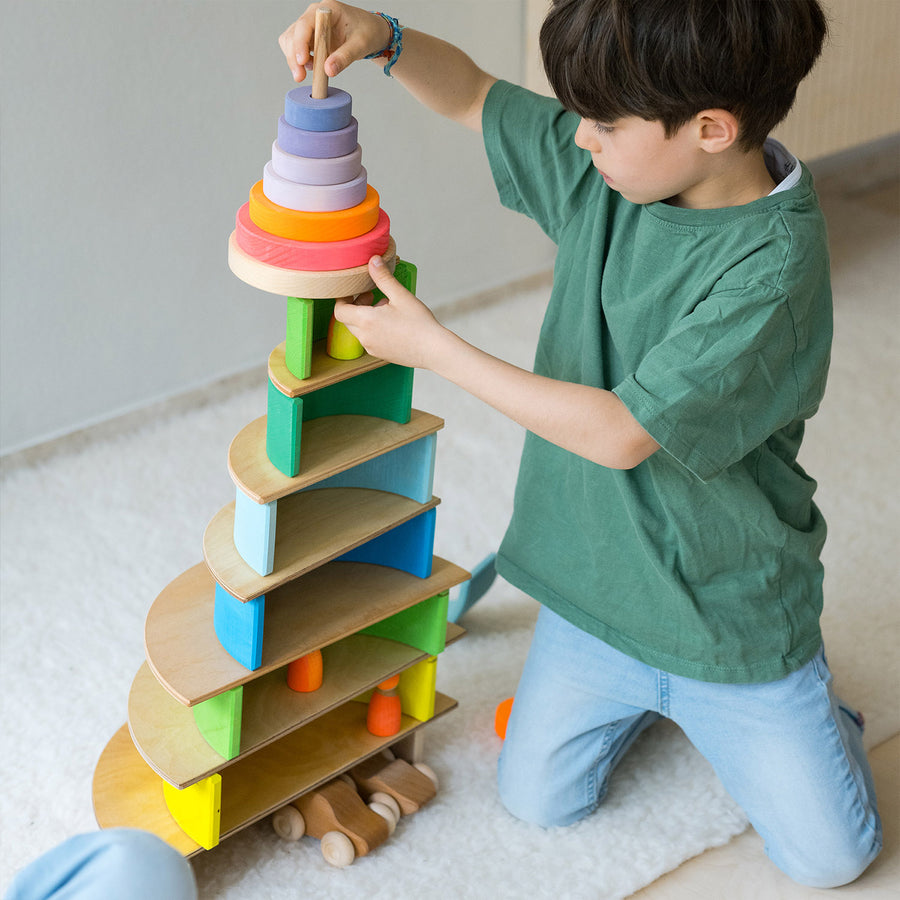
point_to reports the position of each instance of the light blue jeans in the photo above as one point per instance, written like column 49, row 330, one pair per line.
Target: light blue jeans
column 119, row 864
column 789, row 752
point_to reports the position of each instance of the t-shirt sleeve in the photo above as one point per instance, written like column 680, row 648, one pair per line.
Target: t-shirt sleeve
column 537, row 168
column 734, row 371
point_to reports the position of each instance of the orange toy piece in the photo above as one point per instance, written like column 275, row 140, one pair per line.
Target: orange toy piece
column 501, row 717
column 383, row 717
column 299, row 225
column 305, row 674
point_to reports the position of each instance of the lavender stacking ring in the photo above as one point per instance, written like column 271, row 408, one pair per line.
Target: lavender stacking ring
column 314, row 197
column 308, row 170
column 317, row 144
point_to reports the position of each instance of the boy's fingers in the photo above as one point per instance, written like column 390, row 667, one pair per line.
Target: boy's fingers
column 294, row 43
column 343, row 307
column 342, row 57
column 383, row 277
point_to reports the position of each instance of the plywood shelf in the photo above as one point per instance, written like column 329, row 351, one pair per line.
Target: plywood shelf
column 128, row 793
column 325, row 605
column 166, row 735
column 331, row 444
column 325, row 370
column 314, row 527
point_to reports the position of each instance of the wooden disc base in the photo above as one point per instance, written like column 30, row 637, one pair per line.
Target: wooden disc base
column 306, row 284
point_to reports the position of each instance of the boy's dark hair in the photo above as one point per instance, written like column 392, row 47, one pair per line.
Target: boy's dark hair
column 667, row 60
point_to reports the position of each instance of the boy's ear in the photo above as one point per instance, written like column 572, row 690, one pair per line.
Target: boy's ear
column 718, row 129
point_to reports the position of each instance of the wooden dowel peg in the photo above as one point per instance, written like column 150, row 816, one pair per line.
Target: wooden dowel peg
column 320, row 53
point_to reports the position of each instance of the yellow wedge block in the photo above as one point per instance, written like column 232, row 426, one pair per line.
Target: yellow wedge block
column 197, row 809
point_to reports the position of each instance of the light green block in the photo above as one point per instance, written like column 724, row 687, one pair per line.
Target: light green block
column 299, row 336
column 219, row 721
column 423, row 626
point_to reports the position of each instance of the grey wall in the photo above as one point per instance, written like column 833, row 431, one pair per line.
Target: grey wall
column 132, row 132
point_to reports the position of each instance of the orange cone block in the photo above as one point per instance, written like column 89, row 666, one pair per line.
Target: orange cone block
column 383, row 718
column 501, row 717
column 305, row 674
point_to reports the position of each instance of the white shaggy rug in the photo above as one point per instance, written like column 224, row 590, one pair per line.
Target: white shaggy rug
column 91, row 535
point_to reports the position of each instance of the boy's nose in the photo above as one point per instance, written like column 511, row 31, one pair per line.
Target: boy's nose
column 586, row 136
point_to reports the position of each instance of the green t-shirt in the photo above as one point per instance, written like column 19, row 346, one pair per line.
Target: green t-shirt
column 714, row 328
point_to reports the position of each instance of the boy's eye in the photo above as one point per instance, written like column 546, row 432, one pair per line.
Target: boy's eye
column 600, row 128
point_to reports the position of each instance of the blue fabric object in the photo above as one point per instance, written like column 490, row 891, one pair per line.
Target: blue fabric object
column 121, row 863
column 471, row 591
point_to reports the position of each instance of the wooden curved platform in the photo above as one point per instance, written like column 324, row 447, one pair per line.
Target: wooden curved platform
column 331, row 444
column 327, row 604
column 128, row 793
column 299, row 283
column 166, row 735
column 313, row 528
column 326, row 371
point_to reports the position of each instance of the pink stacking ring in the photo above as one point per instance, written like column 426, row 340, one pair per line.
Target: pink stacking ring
column 309, row 255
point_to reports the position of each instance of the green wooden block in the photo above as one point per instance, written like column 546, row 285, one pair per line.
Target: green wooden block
column 219, row 721
column 423, row 626
column 322, row 313
column 284, row 424
column 299, row 336
column 385, row 393
column 407, row 274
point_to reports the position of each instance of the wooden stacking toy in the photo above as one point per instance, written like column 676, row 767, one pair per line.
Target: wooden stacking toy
column 263, row 659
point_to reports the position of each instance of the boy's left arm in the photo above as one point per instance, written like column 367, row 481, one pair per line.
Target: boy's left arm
column 590, row 422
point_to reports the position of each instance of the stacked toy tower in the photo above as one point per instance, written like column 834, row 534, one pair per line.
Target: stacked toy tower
column 306, row 643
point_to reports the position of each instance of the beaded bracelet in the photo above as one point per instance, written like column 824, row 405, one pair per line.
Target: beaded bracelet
column 395, row 46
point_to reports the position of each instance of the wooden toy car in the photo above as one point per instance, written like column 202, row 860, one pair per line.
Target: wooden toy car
column 345, row 824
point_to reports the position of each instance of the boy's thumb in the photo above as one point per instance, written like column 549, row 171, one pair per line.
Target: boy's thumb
column 381, row 275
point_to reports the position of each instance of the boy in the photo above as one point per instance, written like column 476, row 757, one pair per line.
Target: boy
column 660, row 516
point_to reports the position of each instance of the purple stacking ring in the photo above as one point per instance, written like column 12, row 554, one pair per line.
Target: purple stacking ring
column 317, row 144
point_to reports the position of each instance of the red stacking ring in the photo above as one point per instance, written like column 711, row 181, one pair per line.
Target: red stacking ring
column 310, row 256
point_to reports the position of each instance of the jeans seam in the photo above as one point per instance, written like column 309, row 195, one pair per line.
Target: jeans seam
column 662, row 693
column 869, row 813
column 593, row 798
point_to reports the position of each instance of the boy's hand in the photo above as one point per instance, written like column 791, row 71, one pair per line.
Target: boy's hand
column 355, row 34
column 399, row 329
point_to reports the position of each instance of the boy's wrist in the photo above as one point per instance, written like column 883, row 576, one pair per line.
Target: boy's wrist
column 393, row 47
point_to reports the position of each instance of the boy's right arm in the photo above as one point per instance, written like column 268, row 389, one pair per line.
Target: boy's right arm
column 436, row 73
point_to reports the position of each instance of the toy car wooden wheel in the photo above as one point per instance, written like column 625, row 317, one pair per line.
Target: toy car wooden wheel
column 387, row 813
column 386, row 800
column 337, row 849
column 429, row 773
column 288, row 823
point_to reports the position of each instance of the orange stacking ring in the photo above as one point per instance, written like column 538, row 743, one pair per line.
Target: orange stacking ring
column 297, row 225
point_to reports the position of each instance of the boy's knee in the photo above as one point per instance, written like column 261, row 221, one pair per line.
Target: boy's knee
column 821, row 868
column 533, row 799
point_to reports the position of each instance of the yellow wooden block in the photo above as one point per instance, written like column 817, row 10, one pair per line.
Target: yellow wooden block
column 417, row 686
column 197, row 809
column 341, row 344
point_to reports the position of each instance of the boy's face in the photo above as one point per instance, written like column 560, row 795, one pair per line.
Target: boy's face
column 635, row 158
